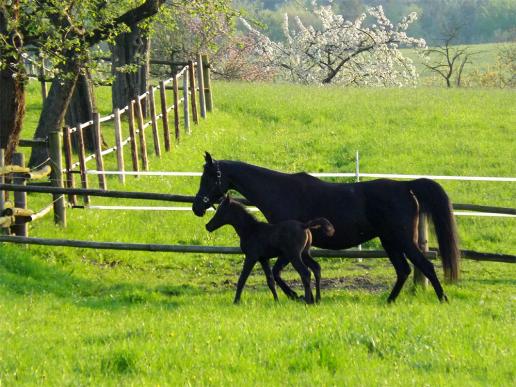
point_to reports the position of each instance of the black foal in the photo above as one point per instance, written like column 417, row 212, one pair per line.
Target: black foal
column 261, row 241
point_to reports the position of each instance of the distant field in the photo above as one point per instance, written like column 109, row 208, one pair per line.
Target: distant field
column 77, row 316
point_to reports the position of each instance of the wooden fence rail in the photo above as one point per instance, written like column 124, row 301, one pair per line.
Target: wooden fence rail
column 322, row 253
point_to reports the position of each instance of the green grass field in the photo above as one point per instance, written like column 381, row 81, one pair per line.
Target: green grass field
column 78, row 316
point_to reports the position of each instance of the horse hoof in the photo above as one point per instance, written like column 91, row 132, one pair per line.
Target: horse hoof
column 444, row 299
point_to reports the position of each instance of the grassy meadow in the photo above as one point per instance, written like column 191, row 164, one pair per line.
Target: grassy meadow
column 78, row 316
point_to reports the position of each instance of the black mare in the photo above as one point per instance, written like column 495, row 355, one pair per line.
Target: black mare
column 261, row 241
column 381, row 208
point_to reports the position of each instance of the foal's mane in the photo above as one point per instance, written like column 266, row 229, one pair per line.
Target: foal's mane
column 240, row 210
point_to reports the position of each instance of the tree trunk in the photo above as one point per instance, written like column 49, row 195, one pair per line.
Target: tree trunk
column 131, row 49
column 12, row 89
column 81, row 108
column 54, row 108
column 12, row 110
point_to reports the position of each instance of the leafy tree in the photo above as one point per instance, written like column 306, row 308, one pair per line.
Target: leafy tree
column 65, row 31
column 184, row 28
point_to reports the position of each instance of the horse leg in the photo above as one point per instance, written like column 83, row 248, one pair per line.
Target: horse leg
column 400, row 265
column 305, row 277
column 248, row 266
column 270, row 279
column 427, row 268
column 276, row 271
column 316, row 269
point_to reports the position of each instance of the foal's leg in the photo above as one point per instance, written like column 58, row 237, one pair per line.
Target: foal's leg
column 400, row 265
column 427, row 268
column 276, row 271
column 270, row 280
column 248, row 266
column 316, row 269
column 305, row 277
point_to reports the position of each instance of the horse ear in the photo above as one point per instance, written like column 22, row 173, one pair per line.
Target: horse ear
column 208, row 159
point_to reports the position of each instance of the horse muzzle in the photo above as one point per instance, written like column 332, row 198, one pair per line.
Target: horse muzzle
column 210, row 227
column 199, row 207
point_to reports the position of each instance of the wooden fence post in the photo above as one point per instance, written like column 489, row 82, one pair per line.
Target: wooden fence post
column 132, row 133
column 56, row 176
column 207, row 83
column 200, row 81
column 164, row 113
column 68, row 163
column 186, row 102
column 191, row 76
column 119, row 146
column 20, row 227
column 98, row 150
column 141, row 133
column 422, row 241
column 154, row 123
column 82, row 162
column 176, row 107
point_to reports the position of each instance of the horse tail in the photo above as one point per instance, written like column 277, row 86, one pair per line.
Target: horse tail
column 323, row 223
column 435, row 202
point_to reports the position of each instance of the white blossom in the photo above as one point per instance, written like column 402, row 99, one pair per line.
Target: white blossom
column 360, row 52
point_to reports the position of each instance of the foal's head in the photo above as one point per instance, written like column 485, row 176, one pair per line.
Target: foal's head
column 213, row 186
column 222, row 215
column 229, row 212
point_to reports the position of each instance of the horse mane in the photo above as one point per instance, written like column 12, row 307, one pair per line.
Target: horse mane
column 243, row 165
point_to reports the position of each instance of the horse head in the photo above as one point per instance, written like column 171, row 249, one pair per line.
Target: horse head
column 212, row 188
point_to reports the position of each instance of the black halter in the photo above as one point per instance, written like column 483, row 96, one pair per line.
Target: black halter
column 218, row 184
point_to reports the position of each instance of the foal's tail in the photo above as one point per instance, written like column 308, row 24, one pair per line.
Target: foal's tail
column 434, row 201
column 323, row 223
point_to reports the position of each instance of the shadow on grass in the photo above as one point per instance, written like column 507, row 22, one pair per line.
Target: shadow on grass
column 22, row 274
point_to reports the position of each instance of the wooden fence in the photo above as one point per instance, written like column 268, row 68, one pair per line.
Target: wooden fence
column 196, row 97
column 468, row 254
column 15, row 214
column 191, row 88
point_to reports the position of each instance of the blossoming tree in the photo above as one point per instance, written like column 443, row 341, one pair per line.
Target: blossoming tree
column 361, row 52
